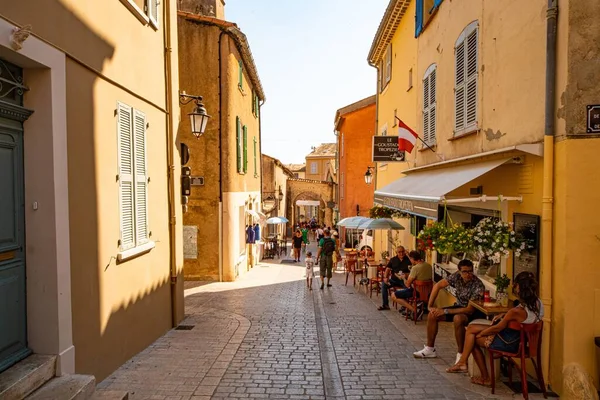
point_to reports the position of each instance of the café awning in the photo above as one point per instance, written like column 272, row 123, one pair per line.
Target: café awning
column 420, row 192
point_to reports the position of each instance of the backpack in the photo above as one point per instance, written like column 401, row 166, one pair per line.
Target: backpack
column 328, row 246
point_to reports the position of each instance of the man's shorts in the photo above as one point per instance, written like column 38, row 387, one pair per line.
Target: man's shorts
column 325, row 266
column 476, row 314
column 406, row 293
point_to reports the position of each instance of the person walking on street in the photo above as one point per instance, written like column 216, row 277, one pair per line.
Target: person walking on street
column 297, row 244
column 325, row 258
column 310, row 272
column 397, row 268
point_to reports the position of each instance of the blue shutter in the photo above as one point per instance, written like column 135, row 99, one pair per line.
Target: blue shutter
column 437, row 3
column 419, row 18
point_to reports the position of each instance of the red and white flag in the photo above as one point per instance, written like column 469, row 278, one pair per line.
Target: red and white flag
column 406, row 137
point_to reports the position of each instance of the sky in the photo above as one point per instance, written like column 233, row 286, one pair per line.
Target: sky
column 311, row 57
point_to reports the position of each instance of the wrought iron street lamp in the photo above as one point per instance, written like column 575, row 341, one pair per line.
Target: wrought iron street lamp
column 280, row 194
column 369, row 175
column 199, row 117
column 269, row 202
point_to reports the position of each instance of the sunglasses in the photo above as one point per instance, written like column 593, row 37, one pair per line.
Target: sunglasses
column 469, row 272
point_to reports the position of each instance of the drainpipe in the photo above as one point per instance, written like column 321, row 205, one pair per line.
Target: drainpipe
column 548, row 182
column 220, row 249
column 170, row 160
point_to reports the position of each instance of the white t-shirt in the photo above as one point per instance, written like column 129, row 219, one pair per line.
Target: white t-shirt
column 310, row 263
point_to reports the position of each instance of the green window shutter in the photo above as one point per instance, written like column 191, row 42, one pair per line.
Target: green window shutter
column 238, row 138
column 126, row 173
column 253, row 103
column 255, row 154
column 141, row 178
column 245, row 149
column 240, row 74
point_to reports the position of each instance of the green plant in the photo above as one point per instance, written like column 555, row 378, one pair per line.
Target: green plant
column 493, row 239
column 384, row 254
column 433, row 237
column 502, row 283
column 377, row 212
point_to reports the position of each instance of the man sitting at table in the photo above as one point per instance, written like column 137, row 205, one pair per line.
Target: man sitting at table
column 467, row 287
column 421, row 271
column 395, row 272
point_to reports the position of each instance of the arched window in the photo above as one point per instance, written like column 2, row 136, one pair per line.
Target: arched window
column 466, row 52
column 429, row 105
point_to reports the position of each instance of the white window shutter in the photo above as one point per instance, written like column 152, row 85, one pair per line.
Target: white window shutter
column 152, row 11
column 426, row 109
column 126, row 190
column 459, row 88
column 432, row 108
column 141, row 178
column 471, row 84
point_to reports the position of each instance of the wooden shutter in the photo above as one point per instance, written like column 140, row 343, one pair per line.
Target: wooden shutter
column 141, row 178
column 426, row 109
column 255, row 158
column 240, row 74
column 126, row 196
column 419, row 17
column 388, row 64
column 245, row 131
column 432, row 108
column 238, row 138
column 471, row 79
column 459, row 88
column 152, row 11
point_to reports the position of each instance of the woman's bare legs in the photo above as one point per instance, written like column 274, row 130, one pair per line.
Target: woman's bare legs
column 470, row 339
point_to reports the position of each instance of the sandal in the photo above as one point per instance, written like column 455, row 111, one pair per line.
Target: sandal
column 477, row 380
column 381, row 308
column 457, row 369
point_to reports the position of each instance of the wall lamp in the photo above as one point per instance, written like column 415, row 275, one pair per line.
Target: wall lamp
column 199, row 117
column 369, row 175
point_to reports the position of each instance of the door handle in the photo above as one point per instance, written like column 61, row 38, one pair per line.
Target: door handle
column 7, row 255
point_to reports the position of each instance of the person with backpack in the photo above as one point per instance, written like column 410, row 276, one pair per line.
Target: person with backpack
column 325, row 257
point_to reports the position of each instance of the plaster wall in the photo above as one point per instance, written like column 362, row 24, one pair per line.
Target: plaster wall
column 322, row 167
column 507, row 41
column 357, row 131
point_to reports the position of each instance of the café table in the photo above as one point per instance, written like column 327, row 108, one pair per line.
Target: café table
column 489, row 308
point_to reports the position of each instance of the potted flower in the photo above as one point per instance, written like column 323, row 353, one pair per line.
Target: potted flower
column 502, row 283
column 384, row 255
column 494, row 239
column 433, row 237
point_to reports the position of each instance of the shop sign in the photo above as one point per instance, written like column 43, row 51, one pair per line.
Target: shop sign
column 426, row 209
column 385, row 149
column 400, row 204
column 593, row 118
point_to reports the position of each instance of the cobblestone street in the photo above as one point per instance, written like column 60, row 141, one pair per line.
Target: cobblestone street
column 267, row 337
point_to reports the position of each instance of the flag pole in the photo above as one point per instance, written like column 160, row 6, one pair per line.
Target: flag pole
column 426, row 145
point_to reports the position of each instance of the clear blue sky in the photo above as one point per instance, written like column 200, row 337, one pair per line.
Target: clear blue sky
column 311, row 57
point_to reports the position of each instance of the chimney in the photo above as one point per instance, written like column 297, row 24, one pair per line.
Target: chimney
column 207, row 8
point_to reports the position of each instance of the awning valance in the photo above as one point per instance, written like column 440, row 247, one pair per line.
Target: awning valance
column 420, row 192
column 314, row 203
column 253, row 213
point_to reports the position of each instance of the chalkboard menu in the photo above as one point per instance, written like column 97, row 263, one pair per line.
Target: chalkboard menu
column 528, row 226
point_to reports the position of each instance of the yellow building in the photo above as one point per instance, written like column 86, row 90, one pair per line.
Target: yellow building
column 320, row 163
column 87, row 116
column 499, row 146
column 215, row 62
column 275, row 177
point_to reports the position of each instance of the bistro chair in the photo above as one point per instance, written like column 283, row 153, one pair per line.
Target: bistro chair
column 529, row 348
column 421, row 292
column 375, row 283
column 351, row 265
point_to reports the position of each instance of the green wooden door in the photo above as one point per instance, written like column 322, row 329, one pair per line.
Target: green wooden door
column 13, row 319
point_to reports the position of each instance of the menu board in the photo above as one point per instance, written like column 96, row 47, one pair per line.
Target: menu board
column 527, row 226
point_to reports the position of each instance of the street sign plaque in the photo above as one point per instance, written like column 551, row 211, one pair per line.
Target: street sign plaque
column 385, row 149
column 593, row 118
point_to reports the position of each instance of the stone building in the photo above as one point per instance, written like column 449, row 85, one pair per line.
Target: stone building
column 320, row 163
column 274, row 190
column 215, row 62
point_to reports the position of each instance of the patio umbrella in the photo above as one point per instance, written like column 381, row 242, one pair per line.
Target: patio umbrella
column 353, row 223
column 277, row 220
column 381, row 224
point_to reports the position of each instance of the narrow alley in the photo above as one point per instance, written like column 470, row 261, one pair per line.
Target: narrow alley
column 266, row 336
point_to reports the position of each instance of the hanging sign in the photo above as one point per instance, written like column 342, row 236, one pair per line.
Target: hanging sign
column 385, row 149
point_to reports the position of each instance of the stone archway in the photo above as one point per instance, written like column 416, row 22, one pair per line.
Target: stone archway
column 310, row 208
column 312, row 190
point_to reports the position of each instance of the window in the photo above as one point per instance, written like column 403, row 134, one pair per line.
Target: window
column 239, row 144
column 296, row 175
column 255, row 104
column 465, row 87
column 410, row 79
column 342, row 184
column 386, row 70
column 245, row 148
column 152, row 11
column 133, row 177
column 313, row 167
column 424, row 11
column 429, row 106
column 395, row 120
column 342, row 151
column 255, row 159
column 241, row 75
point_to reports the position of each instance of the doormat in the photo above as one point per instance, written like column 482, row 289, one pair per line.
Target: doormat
column 184, row 327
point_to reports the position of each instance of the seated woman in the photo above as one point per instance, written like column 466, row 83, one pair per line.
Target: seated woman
column 498, row 336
